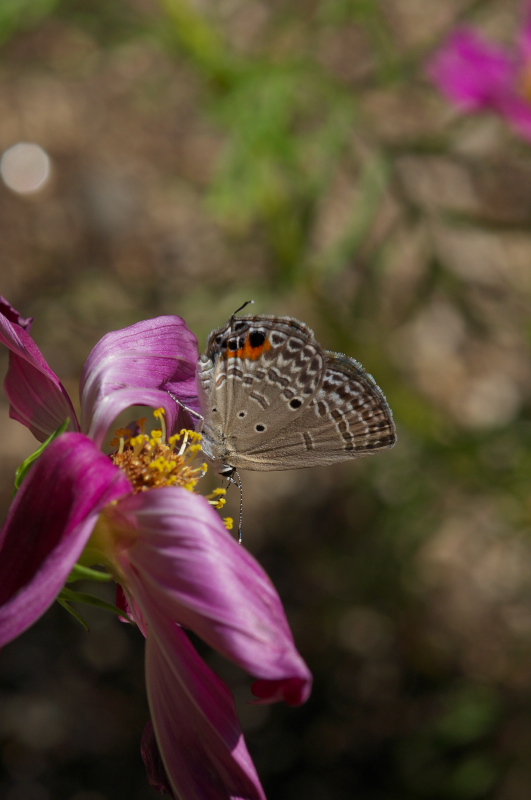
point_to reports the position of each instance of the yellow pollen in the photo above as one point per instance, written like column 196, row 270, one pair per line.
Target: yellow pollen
column 217, row 497
column 138, row 442
column 229, row 523
column 150, row 463
column 159, row 414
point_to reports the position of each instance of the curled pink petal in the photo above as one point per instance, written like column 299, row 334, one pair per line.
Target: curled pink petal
column 185, row 565
column 196, row 726
column 37, row 397
column 49, row 524
column 118, row 400
column 139, row 365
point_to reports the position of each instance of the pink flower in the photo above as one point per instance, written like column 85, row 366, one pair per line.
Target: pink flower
column 477, row 75
column 169, row 550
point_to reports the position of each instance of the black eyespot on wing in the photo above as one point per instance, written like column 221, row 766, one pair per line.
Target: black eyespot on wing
column 257, row 338
column 295, row 403
column 233, row 344
column 239, row 325
column 242, row 414
column 259, row 428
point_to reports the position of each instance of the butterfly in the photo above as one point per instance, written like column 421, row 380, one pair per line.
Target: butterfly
column 273, row 399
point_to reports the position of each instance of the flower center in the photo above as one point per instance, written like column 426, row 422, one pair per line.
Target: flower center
column 150, row 462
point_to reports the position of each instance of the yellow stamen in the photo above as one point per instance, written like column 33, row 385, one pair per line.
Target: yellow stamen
column 149, row 462
column 186, row 436
column 159, row 414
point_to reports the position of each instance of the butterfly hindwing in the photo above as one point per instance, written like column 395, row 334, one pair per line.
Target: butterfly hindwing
column 347, row 418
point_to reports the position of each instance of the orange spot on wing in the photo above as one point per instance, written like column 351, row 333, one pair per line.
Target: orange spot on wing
column 250, row 352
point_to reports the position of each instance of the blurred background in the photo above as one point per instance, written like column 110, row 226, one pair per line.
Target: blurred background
column 183, row 156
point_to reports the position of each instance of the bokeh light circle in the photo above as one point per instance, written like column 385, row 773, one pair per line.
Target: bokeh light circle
column 25, row 167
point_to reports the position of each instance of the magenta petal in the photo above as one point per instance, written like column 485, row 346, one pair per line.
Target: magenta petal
column 37, row 397
column 108, row 408
column 12, row 315
column 472, row 72
column 49, row 524
column 196, row 726
column 185, row 565
column 153, row 763
column 517, row 112
column 524, row 38
column 139, row 365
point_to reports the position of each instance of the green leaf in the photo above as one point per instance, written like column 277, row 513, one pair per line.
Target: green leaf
column 69, row 595
column 24, row 467
column 72, row 611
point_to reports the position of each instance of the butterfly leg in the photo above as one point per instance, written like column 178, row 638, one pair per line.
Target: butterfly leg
column 186, row 408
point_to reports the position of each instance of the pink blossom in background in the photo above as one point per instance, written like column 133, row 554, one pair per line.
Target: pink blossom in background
column 167, row 548
column 478, row 75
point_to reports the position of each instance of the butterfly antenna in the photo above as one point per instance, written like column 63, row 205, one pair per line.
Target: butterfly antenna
column 247, row 303
column 238, row 482
column 240, row 521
